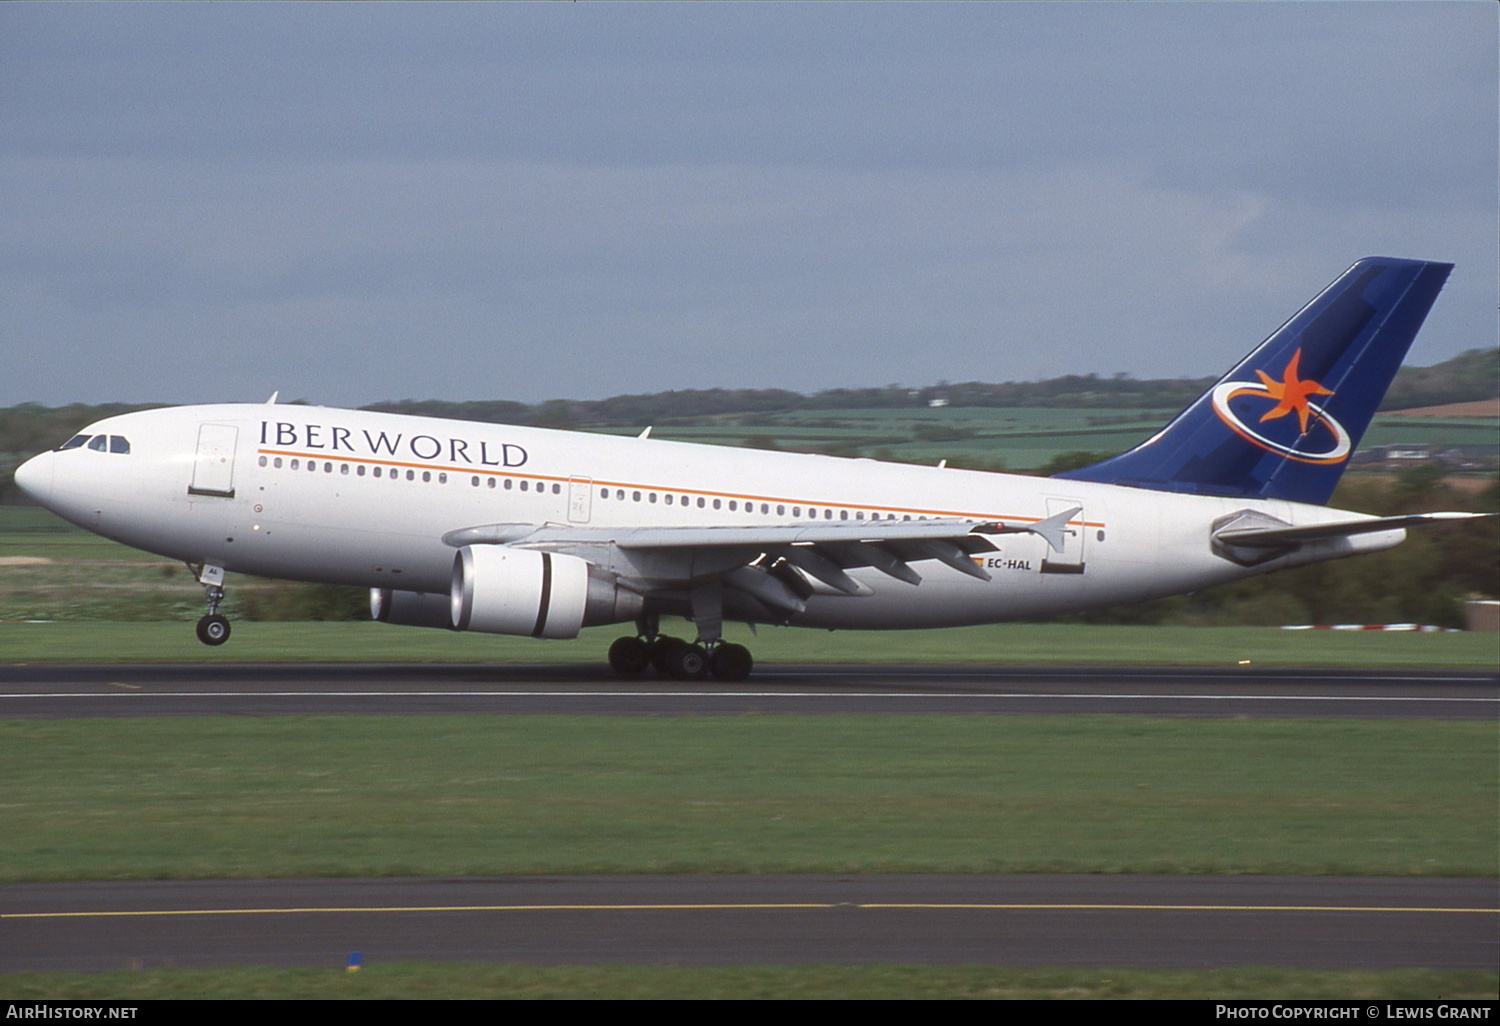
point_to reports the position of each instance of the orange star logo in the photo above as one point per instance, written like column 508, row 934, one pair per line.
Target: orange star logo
column 1290, row 393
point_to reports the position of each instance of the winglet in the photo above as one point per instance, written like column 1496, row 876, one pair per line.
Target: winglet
column 1055, row 527
column 1053, row 530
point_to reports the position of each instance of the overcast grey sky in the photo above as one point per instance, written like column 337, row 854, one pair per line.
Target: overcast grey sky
column 352, row 202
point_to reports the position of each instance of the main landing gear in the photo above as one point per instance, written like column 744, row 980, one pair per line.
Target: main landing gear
column 710, row 654
column 631, row 656
column 213, row 629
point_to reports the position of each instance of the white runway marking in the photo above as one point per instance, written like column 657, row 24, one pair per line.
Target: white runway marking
column 995, row 695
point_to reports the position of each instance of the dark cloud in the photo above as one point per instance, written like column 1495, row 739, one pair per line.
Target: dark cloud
column 376, row 199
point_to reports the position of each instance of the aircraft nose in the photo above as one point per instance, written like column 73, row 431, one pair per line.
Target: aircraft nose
column 34, row 477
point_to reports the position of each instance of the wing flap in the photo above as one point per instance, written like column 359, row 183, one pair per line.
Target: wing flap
column 760, row 559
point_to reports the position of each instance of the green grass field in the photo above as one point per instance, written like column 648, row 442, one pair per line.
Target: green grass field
column 480, row 795
column 143, row 798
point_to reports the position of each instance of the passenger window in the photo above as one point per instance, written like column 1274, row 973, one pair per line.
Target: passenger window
column 525, row 486
column 296, row 464
column 491, row 482
column 262, row 461
column 98, row 443
column 276, row 463
column 376, row 471
column 73, row 443
column 669, row 498
column 120, row 444
column 557, row 489
column 716, row 504
column 411, row 475
column 426, row 476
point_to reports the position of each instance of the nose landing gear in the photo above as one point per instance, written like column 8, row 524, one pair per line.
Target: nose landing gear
column 212, row 629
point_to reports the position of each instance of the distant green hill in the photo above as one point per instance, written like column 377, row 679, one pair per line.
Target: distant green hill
column 1075, row 417
column 1471, row 375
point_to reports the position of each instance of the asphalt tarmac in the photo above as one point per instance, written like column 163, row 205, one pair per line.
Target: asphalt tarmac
column 59, row 691
column 1031, row 920
column 1026, row 920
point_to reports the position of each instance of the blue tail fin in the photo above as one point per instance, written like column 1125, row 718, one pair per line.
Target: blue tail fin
column 1283, row 423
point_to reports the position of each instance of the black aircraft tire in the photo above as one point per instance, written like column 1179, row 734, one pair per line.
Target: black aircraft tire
column 689, row 662
column 629, row 656
column 661, row 649
column 732, row 662
column 213, row 630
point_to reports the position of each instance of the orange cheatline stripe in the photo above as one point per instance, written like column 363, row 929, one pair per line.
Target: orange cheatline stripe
column 460, row 469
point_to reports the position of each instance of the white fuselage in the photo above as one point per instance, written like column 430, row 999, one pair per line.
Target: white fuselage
column 352, row 497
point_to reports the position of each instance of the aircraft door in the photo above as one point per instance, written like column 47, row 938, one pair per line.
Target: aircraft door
column 213, row 467
column 580, row 499
column 1070, row 559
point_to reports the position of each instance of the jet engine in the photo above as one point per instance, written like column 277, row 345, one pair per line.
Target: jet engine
column 503, row 590
column 411, row 608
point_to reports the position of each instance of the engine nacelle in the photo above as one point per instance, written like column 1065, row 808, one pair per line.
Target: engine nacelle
column 411, row 608
column 502, row 590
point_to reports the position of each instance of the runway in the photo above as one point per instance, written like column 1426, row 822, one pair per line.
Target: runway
column 1026, row 920
column 1037, row 920
column 64, row 691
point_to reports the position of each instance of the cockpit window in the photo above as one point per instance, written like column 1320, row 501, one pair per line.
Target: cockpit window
column 99, row 442
column 119, row 443
column 73, row 442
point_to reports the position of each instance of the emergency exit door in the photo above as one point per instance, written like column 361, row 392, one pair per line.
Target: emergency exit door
column 213, row 467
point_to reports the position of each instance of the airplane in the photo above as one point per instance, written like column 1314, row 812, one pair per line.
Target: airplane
column 526, row 531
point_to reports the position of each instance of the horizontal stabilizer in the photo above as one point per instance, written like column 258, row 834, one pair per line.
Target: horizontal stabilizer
column 1281, row 537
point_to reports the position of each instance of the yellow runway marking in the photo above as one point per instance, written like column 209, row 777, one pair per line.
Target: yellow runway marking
column 752, row 907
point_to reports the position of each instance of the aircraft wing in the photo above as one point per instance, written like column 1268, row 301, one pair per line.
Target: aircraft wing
column 764, row 561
